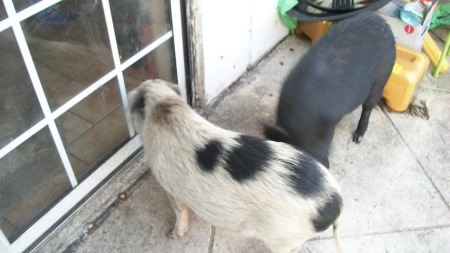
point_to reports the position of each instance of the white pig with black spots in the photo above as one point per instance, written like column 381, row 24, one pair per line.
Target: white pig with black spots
column 253, row 187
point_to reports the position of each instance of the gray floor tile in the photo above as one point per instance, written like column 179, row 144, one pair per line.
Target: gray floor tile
column 99, row 104
column 79, row 167
column 423, row 240
column 72, row 126
column 67, row 58
column 7, row 227
column 35, row 202
column 429, row 139
column 384, row 186
column 101, row 139
column 224, row 242
column 139, row 224
column 49, row 78
column 64, row 93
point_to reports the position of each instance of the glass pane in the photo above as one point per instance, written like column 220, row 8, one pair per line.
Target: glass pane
column 94, row 128
column 22, row 4
column 70, row 51
column 19, row 106
column 31, row 179
column 158, row 64
column 139, row 23
column 3, row 14
column 54, row 14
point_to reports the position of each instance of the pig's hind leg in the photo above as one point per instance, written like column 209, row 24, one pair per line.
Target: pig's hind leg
column 368, row 105
column 182, row 223
column 362, row 124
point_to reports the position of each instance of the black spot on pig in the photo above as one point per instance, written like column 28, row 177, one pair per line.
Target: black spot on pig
column 163, row 110
column 249, row 157
column 306, row 178
column 328, row 213
column 208, row 156
column 137, row 103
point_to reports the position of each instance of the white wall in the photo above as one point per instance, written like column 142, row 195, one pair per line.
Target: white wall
column 235, row 35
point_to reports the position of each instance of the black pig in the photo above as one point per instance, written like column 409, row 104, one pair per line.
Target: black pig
column 347, row 67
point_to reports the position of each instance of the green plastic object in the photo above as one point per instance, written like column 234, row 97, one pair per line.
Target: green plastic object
column 441, row 16
column 441, row 59
column 283, row 7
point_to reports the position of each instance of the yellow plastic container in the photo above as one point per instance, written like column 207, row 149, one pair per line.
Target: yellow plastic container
column 409, row 69
column 314, row 30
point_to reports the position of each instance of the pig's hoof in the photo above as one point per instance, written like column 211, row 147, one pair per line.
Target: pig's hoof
column 357, row 138
column 172, row 235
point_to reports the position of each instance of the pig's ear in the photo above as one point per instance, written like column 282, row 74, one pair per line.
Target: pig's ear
column 176, row 88
column 136, row 101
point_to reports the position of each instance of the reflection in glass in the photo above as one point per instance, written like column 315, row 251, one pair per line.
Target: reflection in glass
column 3, row 14
column 57, row 14
column 31, row 179
column 72, row 54
column 138, row 24
column 158, row 64
column 20, row 5
column 19, row 106
column 93, row 129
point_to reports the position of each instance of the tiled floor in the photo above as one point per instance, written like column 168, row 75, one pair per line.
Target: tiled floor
column 395, row 183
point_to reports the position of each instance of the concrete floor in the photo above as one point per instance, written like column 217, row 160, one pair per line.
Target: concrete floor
column 396, row 183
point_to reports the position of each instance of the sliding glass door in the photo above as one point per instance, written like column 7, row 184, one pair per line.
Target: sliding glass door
column 65, row 69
